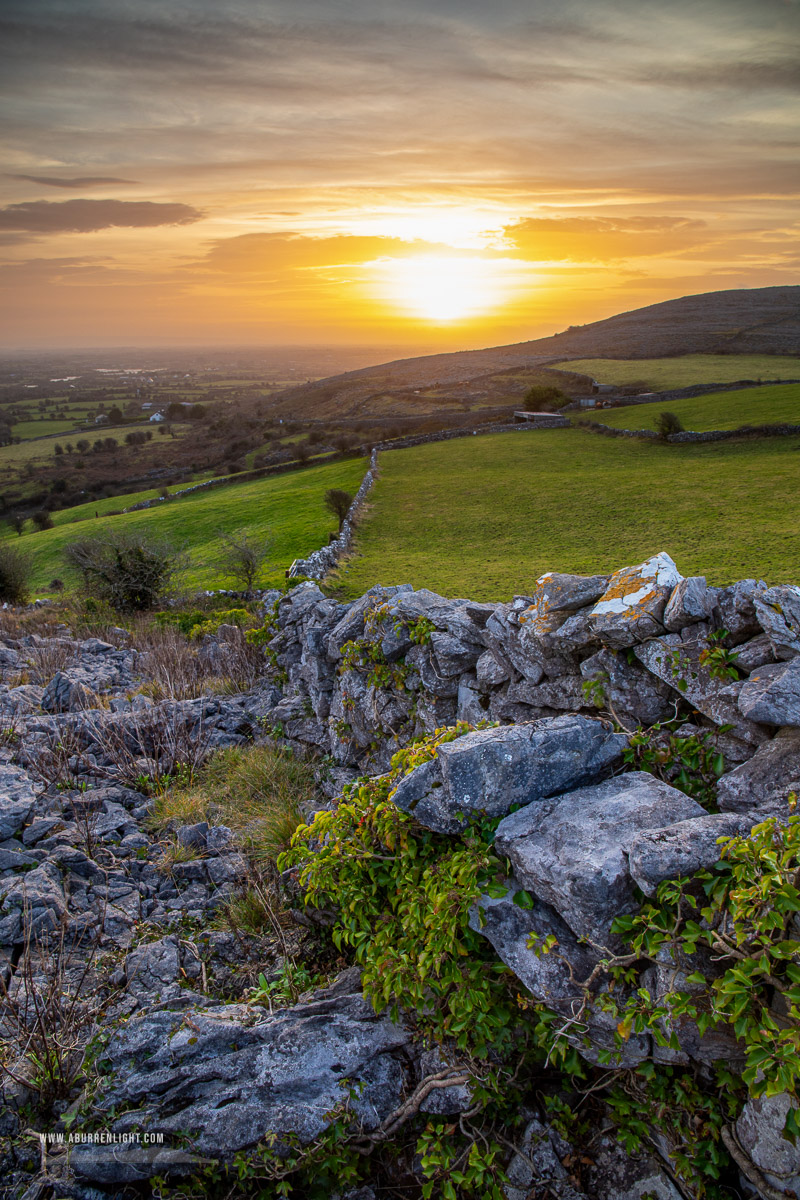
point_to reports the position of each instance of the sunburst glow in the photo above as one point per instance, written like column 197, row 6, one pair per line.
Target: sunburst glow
column 443, row 288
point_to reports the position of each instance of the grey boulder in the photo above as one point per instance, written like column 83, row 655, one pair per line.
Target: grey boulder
column 632, row 607
column 681, row 849
column 761, row 786
column 553, row 979
column 759, row 1132
column 778, row 612
column 571, row 851
column 691, row 601
column 491, row 770
column 772, row 694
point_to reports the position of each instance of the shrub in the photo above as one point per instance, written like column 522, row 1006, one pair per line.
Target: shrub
column 15, row 573
column 338, row 502
column 42, row 519
column 667, row 423
column 402, row 896
column 131, row 570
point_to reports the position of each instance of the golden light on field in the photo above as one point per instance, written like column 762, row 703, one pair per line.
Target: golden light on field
column 442, row 288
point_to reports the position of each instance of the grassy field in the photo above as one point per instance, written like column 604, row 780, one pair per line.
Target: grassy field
column 484, row 517
column 287, row 510
column 720, row 410
column 660, row 374
column 32, row 429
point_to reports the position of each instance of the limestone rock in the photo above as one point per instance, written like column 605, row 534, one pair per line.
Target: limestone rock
column 691, row 601
column 538, row 1164
column 64, row 694
column 632, row 606
column 758, row 652
column 681, row 849
column 772, row 694
column 629, row 688
column 759, row 1131
column 31, row 904
column 567, row 592
column 617, row 1175
column 223, row 1078
column 493, row 769
column 778, row 612
column 736, row 611
column 760, row 786
column 491, row 671
column 451, row 655
column 151, row 970
column 571, row 851
column 552, row 979
column 675, row 659
column 443, row 1101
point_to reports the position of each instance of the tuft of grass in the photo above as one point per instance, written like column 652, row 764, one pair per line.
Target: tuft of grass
column 260, row 792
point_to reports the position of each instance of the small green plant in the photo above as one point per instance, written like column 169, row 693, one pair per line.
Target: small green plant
column 719, row 661
column 292, row 980
column 403, row 896
column 692, row 763
column 594, row 690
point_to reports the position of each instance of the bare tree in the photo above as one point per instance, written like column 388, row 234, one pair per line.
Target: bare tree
column 242, row 556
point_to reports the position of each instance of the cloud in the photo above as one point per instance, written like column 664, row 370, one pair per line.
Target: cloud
column 78, row 182
column 591, row 239
column 87, row 216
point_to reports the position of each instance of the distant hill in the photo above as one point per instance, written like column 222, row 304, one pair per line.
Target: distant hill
column 741, row 321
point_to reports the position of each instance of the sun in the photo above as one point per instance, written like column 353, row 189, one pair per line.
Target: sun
column 442, row 287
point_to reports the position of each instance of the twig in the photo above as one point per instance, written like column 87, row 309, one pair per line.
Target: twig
column 748, row 1167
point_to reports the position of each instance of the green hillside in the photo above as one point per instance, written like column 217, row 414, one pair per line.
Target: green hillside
column 483, row 517
column 285, row 509
column 660, row 374
column 778, row 403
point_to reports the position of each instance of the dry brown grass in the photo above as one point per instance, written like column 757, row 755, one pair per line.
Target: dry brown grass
column 177, row 669
column 45, row 661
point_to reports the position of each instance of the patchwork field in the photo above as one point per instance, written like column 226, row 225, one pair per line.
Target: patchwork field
column 661, row 374
column 778, row 403
column 483, row 517
column 286, row 510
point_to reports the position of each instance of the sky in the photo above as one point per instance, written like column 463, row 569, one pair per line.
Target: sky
column 443, row 174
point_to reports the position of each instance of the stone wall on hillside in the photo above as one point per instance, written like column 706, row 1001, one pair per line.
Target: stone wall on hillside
column 554, row 684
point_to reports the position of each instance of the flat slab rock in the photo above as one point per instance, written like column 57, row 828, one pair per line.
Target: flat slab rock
column 572, row 851
column 491, row 770
column 225, row 1077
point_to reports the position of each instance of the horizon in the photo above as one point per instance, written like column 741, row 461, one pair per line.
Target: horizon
column 434, row 178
